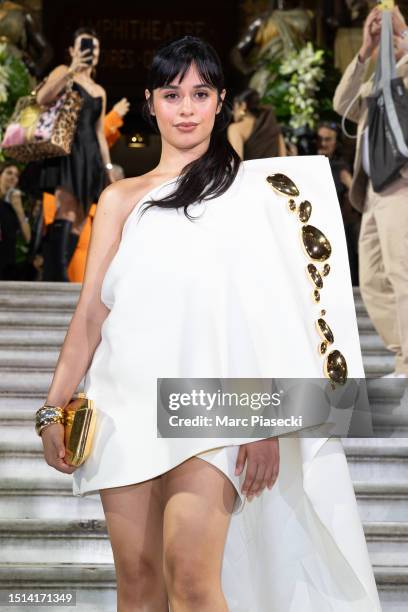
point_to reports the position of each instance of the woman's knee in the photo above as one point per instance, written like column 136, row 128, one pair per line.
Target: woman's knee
column 189, row 578
column 138, row 578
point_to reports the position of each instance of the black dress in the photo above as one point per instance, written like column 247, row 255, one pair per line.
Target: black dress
column 9, row 226
column 82, row 172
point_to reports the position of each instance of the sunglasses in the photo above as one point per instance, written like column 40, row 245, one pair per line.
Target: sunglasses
column 317, row 248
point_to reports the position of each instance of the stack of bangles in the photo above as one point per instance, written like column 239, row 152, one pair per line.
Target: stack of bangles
column 48, row 415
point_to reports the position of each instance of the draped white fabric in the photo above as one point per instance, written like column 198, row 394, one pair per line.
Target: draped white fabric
column 228, row 296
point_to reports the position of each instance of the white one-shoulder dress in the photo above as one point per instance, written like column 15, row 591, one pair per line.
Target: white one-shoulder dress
column 227, row 296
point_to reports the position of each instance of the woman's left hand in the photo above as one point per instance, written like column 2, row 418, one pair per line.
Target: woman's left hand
column 263, row 465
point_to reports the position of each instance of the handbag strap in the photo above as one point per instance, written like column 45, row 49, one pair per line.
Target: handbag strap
column 385, row 69
column 38, row 86
column 385, row 73
column 344, row 118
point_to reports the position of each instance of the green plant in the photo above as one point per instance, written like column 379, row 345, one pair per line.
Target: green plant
column 301, row 87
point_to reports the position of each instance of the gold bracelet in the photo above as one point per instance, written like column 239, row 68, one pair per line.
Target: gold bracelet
column 47, row 415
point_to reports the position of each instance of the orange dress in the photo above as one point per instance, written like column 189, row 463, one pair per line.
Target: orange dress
column 76, row 269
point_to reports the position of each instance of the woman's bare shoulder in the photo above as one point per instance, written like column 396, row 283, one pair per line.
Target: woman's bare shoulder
column 118, row 199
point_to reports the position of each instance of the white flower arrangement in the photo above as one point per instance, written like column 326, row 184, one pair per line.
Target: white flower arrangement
column 305, row 68
column 4, row 76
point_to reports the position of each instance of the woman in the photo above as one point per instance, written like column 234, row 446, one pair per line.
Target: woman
column 191, row 289
column 76, row 179
column 255, row 133
column 12, row 220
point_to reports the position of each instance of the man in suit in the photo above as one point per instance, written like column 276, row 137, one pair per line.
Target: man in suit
column 383, row 240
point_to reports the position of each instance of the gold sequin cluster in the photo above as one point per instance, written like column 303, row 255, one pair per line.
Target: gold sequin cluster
column 318, row 249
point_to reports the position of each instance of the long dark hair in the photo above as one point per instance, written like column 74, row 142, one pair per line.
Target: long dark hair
column 213, row 173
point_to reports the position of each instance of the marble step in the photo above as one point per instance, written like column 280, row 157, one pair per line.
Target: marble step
column 379, row 500
column 34, row 356
column 382, row 502
column 86, row 541
column 31, row 383
column 24, row 339
column 20, row 503
column 34, row 319
column 28, row 359
column 392, row 583
column 368, row 459
column 378, row 463
column 94, row 584
column 385, row 397
column 12, row 381
column 54, row 540
column 387, row 543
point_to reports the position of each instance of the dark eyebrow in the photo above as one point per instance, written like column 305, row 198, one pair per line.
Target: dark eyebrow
column 194, row 86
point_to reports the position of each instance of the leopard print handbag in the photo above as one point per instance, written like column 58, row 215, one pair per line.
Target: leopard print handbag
column 34, row 132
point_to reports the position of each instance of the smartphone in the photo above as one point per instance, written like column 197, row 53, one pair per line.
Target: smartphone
column 87, row 44
column 386, row 5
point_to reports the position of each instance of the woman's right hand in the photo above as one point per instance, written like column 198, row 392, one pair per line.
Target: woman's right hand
column 79, row 63
column 54, row 448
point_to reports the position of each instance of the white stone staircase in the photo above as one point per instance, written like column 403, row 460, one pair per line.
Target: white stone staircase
column 50, row 539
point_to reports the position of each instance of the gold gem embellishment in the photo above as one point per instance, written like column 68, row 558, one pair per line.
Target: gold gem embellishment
column 316, row 247
column 305, row 210
column 315, row 276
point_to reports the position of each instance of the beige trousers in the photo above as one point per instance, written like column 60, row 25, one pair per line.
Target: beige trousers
column 383, row 268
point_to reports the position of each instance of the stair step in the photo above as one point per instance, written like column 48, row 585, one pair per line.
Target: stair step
column 46, row 505
column 54, row 540
column 382, row 502
column 94, row 584
column 33, row 384
column 86, row 541
column 372, row 460
column 28, row 359
column 32, row 338
column 34, row 320
column 387, row 543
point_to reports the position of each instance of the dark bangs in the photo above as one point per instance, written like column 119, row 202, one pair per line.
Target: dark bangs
column 213, row 173
column 175, row 60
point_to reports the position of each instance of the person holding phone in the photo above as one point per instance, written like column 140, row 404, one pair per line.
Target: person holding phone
column 76, row 179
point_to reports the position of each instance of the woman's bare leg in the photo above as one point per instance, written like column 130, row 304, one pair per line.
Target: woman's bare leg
column 198, row 501
column 69, row 208
column 134, row 518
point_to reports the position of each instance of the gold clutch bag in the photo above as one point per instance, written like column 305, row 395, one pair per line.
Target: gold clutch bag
column 80, row 421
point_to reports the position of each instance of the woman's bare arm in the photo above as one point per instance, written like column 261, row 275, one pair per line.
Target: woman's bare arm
column 60, row 77
column 236, row 139
column 281, row 146
column 56, row 82
column 84, row 331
